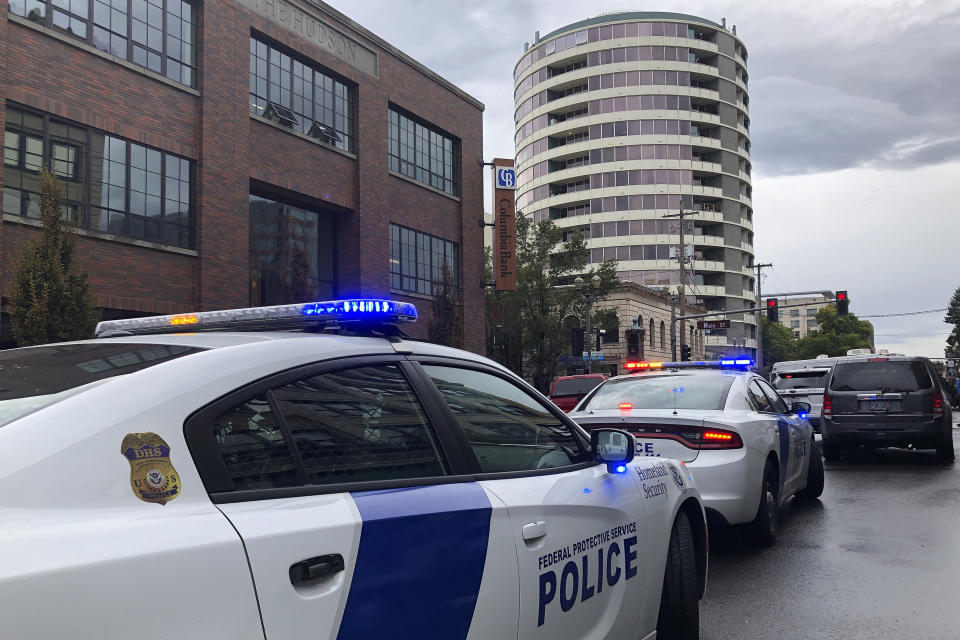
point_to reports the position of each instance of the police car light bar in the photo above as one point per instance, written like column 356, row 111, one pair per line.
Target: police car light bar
column 357, row 310
column 737, row 363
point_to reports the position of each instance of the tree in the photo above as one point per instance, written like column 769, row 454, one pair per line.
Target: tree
column 50, row 302
column 836, row 336
column 953, row 317
column 528, row 324
column 445, row 327
column 778, row 343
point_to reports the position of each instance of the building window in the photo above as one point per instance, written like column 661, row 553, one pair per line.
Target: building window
column 650, row 333
column 811, row 312
column 110, row 184
column 662, row 328
column 794, row 324
column 321, row 104
column 811, row 323
column 292, row 253
column 794, row 313
column 417, row 259
column 421, row 152
column 156, row 34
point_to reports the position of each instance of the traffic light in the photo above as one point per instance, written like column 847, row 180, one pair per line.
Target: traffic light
column 633, row 343
column 773, row 310
column 843, row 303
column 684, row 352
column 578, row 333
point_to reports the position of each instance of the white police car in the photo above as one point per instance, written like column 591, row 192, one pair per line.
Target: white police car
column 747, row 449
column 330, row 480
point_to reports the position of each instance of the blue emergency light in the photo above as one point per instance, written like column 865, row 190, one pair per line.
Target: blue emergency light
column 353, row 311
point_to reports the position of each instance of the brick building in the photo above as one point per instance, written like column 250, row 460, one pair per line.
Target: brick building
column 230, row 153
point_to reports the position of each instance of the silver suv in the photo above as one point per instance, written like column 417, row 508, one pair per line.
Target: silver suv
column 803, row 380
column 885, row 401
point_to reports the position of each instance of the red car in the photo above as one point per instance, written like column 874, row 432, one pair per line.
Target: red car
column 567, row 391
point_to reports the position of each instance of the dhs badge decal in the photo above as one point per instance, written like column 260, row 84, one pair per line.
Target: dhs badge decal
column 676, row 475
column 152, row 476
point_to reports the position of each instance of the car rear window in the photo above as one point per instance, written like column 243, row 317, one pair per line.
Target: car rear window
column 662, row 392
column 884, row 375
column 800, row 379
column 575, row 386
column 36, row 377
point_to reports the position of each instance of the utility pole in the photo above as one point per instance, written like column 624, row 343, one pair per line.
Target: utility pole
column 681, row 258
column 673, row 324
column 760, row 312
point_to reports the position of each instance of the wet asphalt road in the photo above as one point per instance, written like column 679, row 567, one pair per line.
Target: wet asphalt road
column 878, row 556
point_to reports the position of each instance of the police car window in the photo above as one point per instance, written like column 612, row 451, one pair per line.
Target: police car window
column 508, row 429
column 36, row 377
column 760, row 400
column 707, row 392
column 779, row 406
column 251, row 443
column 812, row 379
column 360, row 424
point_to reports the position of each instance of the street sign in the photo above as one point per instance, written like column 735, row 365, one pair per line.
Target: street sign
column 594, row 355
column 713, row 324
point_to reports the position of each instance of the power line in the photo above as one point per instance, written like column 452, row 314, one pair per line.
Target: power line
column 908, row 313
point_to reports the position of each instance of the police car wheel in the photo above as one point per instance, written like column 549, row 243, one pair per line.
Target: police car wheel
column 945, row 451
column 766, row 524
column 814, row 475
column 831, row 450
column 679, row 617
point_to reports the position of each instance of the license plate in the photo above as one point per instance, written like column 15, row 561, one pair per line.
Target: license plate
column 879, row 405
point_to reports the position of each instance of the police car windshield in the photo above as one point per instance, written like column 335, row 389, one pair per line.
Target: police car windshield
column 704, row 392
column 801, row 379
column 33, row 378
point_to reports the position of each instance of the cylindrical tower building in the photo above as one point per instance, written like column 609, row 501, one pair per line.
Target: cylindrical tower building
column 622, row 120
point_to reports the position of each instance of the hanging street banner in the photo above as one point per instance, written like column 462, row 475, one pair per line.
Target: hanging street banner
column 505, row 233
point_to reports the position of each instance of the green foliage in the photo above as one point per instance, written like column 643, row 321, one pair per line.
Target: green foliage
column 50, row 302
column 445, row 327
column 526, row 330
column 952, row 349
column 778, row 343
column 837, row 334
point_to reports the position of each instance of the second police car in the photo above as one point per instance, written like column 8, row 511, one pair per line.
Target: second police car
column 304, row 470
column 747, row 449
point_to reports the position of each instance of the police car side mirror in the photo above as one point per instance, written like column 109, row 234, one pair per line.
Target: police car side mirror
column 613, row 447
column 802, row 409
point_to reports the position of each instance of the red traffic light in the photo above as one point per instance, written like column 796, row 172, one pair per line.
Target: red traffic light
column 841, row 295
column 772, row 302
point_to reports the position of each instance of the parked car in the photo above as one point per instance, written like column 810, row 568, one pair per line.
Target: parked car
column 885, row 401
column 567, row 391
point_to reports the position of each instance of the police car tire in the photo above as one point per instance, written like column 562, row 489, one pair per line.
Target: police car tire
column 815, row 479
column 766, row 524
column 679, row 617
column 945, row 452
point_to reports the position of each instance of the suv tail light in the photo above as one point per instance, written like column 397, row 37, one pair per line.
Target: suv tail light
column 827, row 410
column 937, row 405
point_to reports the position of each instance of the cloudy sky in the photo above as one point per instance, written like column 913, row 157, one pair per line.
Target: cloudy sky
column 855, row 128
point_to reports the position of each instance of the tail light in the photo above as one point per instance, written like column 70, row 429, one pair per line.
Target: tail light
column 693, row 437
column 827, row 410
column 937, row 405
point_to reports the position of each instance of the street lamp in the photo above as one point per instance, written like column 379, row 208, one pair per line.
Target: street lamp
column 587, row 294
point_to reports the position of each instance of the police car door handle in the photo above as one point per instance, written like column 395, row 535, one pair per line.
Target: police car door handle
column 316, row 568
column 534, row 530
